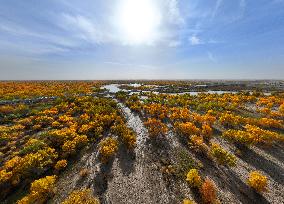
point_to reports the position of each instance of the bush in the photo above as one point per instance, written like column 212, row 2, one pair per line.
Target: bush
column 155, row 127
column 193, row 178
column 40, row 191
column 70, row 146
column 107, row 148
column 61, row 164
column 184, row 164
column 187, row 128
column 32, row 163
column 196, row 143
column 206, row 131
column 5, row 176
column 257, row 181
column 84, row 172
column 33, row 145
column 222, row 156
column 83, row 196
column 125, row 134
column 208, row 191
column 187, row 201
column 252, row 135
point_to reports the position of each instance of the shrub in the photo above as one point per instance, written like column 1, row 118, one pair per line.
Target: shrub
column 32, row 163
column 84, row 172
column 70, row 146
column 40, row 191
column 155, row 127
column 257, row 181
column 208, row 191
column 127, row 135
column 187, row 128
column 281, row 108
column 61, row 164
column 168, row 169
column 206, row 131
column 83, row 196
column 230, row 120
column 184, row 164
column 121, row 95
column 187, row 201
column 238, row 136
column 251, row 135
column 193, row 178
column 107, row 148
column 33, row 145
column 222, row 156
column 156, row 110
column 5, row 176
column 129, row 139
column 196, row 143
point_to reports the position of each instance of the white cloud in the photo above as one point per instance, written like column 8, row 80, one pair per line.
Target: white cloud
column 174, row 43
column 72, row 28
column 211, row 41
column 241, row 9
column 107, row 29
column 30, row 48
column 216, row 8
column 21, row 31
column 84, row 28
column 194, row 40
column 174, row 13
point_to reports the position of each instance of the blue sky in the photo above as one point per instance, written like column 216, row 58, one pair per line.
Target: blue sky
column 141, row 39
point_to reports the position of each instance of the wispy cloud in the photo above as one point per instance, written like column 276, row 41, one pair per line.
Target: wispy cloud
column 194, row 40
column 84, row 28
column 174, row 43
column 174, row 13
column 216, row 8
column 211, row 57
column 240, row 7
column 30, row 49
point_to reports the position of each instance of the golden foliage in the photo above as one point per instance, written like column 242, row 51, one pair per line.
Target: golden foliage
column 61, row 164
column 83, row 196
column 222, row 156
column 187, row 201
column 155, row 127
column 257, row 181
column 208, row 191
column 186, row 128
column 107, row 148
column 193, row 178
column 252, row 135
column 40, row 191
column 18, row 167
column 126, row 134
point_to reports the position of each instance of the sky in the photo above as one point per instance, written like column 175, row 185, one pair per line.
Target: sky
column 141, row 39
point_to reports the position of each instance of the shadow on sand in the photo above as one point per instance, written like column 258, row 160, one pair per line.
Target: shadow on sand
column 259, row 162
column 126, row 159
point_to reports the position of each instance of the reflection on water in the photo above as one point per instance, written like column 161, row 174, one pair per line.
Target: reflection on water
column 113, row 88
column 135, row 85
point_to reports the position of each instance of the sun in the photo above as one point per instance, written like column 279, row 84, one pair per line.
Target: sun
column 138, row 21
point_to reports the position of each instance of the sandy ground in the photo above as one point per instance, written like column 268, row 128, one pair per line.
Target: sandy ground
column 136, row 177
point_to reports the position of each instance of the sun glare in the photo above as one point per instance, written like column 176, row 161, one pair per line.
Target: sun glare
column 138, row 21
